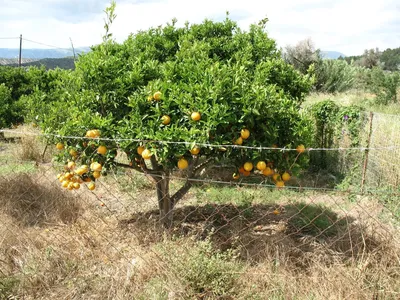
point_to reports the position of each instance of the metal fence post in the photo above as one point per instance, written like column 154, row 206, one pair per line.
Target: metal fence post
column 364, row 171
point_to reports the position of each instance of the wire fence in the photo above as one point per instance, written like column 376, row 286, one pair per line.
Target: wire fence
column 228, row 239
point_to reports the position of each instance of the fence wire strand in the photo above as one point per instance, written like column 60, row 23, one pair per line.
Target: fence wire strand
column 249, row 236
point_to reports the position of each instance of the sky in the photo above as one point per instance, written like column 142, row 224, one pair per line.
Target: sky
column 347, row 26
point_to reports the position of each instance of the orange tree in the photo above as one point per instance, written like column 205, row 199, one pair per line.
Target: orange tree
column 168, row 97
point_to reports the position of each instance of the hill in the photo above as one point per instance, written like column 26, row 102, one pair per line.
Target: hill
column 48, row 63
column 332, row 54
column 13, row 53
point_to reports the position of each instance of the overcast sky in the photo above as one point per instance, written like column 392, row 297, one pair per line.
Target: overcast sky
column 347, row 26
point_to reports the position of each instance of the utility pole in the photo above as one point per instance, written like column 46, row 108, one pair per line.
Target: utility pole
column 20, row 50
column 73, row 49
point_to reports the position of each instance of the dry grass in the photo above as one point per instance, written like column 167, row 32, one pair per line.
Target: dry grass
column 34, row 201
column 229, row 245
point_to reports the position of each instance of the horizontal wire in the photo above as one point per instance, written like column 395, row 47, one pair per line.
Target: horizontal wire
column 198, row 144
column 43, row 44
column 9, row 38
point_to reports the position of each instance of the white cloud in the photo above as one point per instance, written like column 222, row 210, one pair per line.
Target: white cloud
column 348, row 26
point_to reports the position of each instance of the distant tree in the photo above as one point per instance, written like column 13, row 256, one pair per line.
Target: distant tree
column 302, row 55
column 391, row 59
column 370, row 58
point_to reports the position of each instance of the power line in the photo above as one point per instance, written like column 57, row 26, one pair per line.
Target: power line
column 9, row 38
column 43, row 44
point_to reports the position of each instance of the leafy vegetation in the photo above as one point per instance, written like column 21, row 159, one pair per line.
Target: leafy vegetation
column 208, row 83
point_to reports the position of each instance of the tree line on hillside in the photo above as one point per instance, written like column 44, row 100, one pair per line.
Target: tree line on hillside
column 67, row 63
column 366, row 72
column 388, row 59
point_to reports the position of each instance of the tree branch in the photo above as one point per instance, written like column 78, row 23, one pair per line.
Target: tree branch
column 188, row 184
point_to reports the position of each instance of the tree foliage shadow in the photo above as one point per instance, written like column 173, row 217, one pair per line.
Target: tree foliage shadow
column 299, row 231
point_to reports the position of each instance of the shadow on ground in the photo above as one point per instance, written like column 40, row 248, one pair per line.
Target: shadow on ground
column 300, row 231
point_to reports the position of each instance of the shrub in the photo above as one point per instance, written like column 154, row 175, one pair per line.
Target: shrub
column 234, row 80
column 383, row 84
column 334, row 76
column 331, row 124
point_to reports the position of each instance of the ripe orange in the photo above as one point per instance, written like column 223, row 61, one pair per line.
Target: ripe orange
column 183, row 164
column 82, row 170
column 93, row 133
column 276, row 177
column 157, row 96
column 246, row 173
column 235, row 176
column 95, row 166
column 73, row 152
column 195, row 150
column 91, row 186
column 68, row 175
column 285, row 176
column 58, row 176
column 102, row 150
column 71, row 165
column 196, row 116
column 65, row 183
column 140, row 150
column 165, row 120
column 248, row 166
column 96, row 174
column 245, row 133
column 60, row 146
column 268, row 171
column 261, row 165
column 87, row 179
column 280, row 184
column 241, row 170
column 238, row 141
column 300, row 148
column 76, row 186
column 146, row 154
column 276, row 212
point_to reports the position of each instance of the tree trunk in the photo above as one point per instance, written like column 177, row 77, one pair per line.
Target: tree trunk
column 164, row 200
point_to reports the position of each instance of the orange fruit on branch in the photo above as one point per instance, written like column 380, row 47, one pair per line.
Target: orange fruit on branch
column 102, row 150
column 196, row 116
column 183, row 163
column 245, row 133
column 261, row 165
column 238, row 141
column 300, row 148
column 195, row 150
column 248, row 166
column 285, row 176
column 165, row 120
column 146, row 154
column 60, row 146
column 157, row 96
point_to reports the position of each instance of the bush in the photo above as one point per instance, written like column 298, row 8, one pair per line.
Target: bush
column 334, row 76
column 332, row 123
column 383, row 84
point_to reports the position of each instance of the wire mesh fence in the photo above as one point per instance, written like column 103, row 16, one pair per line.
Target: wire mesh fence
column 228, row 239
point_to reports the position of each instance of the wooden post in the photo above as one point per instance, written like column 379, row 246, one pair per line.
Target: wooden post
column 20, row 51
column 364, row 172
